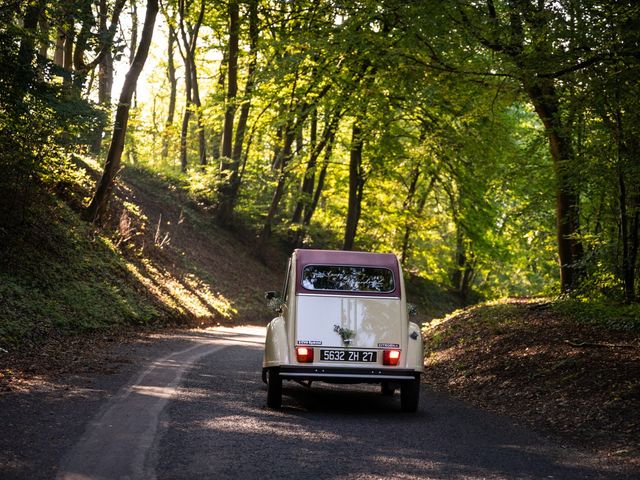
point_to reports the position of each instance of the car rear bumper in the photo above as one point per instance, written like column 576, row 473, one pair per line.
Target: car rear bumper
column 346, row 374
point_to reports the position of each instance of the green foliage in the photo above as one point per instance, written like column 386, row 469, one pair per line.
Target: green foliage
column 456, row 168
column 38, row 119
column 202, row 183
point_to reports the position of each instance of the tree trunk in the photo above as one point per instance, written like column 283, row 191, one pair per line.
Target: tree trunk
column 58, row 55
column 308, row 214
column 265, row 233
column 186, row 117
column 216, row 140
column 105, row 82
column 309, row 200
column 26, row 53
column 81, row 67
column 308, row 179
column 134, row 31
column 202, row 143
column 98, row 206
column 228, row 191
column 570, row 252
column 460, row 264
column 43, row 22
column 67, row 62
column 173, row 88
column 248, row 90
column 232, row 86
column 356, row 187
column 188, row 53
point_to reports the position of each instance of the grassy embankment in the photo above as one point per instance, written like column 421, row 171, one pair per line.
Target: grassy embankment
column 158, row 261
column 569, row 368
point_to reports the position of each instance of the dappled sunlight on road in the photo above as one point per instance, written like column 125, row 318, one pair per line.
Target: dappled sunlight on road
column 160, row 392
column 245, row 424
column 119, row 439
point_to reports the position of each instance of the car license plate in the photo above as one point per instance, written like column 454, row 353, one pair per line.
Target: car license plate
column 348, row 356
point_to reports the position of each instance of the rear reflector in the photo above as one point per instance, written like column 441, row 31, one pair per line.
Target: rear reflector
column 304, row 354
column 391, row 357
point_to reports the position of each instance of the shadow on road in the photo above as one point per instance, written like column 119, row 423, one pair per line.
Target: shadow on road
column 219, row 427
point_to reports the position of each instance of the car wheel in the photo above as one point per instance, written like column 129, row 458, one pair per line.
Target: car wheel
column 410, row 395
column 388, row 389
column 274, row 388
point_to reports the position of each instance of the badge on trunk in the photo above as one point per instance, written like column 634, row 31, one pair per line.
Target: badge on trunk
column 346, row 334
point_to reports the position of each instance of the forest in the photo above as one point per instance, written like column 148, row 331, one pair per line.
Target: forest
column 493, row 145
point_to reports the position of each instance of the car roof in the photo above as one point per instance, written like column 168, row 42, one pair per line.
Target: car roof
column 306, row 257
column 346, row 257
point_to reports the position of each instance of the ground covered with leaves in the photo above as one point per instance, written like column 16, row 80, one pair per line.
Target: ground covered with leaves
column 576, row 380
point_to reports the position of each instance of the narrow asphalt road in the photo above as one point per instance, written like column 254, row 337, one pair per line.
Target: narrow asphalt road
column 199, row 411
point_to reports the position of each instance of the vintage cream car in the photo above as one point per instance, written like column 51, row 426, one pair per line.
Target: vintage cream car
column 343, row 319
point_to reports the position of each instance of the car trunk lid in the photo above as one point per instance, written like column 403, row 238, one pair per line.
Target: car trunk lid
column 348, row 321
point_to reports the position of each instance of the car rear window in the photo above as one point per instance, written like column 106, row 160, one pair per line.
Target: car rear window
column 345, row 278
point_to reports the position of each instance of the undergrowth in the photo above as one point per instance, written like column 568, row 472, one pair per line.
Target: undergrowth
column 58, row 273
column 600, row 312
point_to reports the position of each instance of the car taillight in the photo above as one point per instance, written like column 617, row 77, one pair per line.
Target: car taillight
column 390, row 357
column 304, row 354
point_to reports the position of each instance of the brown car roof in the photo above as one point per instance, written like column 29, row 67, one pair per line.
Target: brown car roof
column 346, row 257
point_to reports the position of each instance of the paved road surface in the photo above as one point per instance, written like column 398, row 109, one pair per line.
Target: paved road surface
column 200, row 412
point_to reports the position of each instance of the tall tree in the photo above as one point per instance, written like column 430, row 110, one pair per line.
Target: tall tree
column 98, row 206
column 228, row 190
column 232, row 86
column 520, row 32
column 173, row 86
column 357, row 179
column 189, row 31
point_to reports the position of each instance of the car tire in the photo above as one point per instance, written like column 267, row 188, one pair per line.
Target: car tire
column 410, row 395
column 388, row 389
column 274, row 388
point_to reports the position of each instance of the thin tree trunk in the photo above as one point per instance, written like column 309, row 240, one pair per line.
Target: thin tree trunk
column 105, row 82
column 97, row 208
column 232, row 86
column 26, row 53
column 134, row 31
column 202, row 143
column 43, row 22
column 308, row 214
column 460, row 260
column 308, row 179
column 265, row 233
column 189, row 43
column 216, row 140
column 228, row 191
column 81, row 67
column 67, row 62
column 307, row 190
column 356, row 187
column 134, row 41
column 627, row 266
column 58, row 55
column 186, row 117
column 248, row 89
column 173, row 87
